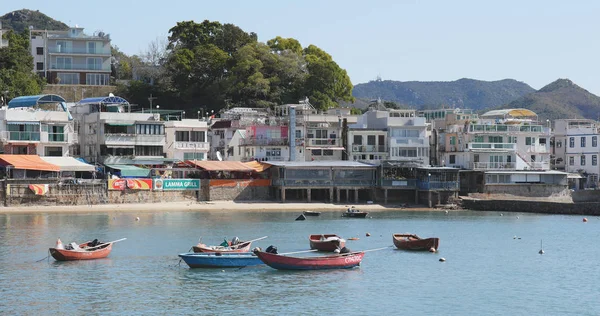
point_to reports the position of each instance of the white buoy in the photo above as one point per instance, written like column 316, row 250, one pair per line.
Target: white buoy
column 501, row 214
column 442, row 259
column 515, row 237
column 137, row 218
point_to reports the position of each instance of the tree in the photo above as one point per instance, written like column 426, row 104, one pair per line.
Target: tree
column 280, row 44
column 16, row 64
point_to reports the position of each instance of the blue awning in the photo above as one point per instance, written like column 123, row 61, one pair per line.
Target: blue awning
column 104, row 100
column 127, row 171
column 24, row 122
column 33, row 100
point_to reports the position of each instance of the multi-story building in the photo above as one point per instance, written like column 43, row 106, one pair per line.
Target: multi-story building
column 186, row 139
column 37, row 125
column 71, row 57
column 576, row 148
column 224, row 137
column 108, row 128
column 3, row 41
column 265, row 142
column 510, row 139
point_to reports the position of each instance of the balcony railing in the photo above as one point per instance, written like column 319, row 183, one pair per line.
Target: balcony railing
column 492, row 165
column 495, row 128
column 191, row 145
column 23, row 136
column 324, row 141
column 102, row 67
column 499, row 146
column 264, row 142
column 82, row 51
column 400, row 183
column 438, row 185
column 119, row 139
column 323, row 183
column 368, row 149
column 406, row 141
column 540, row 165
column 56, row 137
column 537, row 149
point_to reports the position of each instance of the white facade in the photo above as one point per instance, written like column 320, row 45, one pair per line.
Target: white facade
column 576, row 147
column 186, row 140
column 71, row 57
column 3, row 41
column 32, row 131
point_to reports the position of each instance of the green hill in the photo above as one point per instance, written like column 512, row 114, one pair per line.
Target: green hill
column 463, row 93
column 20, row 20
column 560, row 99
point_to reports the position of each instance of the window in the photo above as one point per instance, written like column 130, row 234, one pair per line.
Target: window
column 39, row 50
column 198, row 136
column 64, row 63
column 316, row 152
column 571, row 161
column 298, row 133
column 64, row 46
column 495, row 139
column 29, row 132
column 583, row 141
column 478, row 139
column 53, row 151
column 559, row 144
column 148, row 150
column 94, row 63
column 39, row 66
column 572, row 142
column 371, row 140
column 97, row 79
column 405, row 133
column 66, row 78
column 56, row 133
column 327, row 152
column 594, row 160
column 512, row 139
column 452, row 159
column 542, row 141
column 529, row 141
column 150, row 129
column 594, row 141
column 193, row 156
column 357, row 140
column 182, row 136
column 452, row 140
column 321, row 133
column 92, row 48
column 583, row 160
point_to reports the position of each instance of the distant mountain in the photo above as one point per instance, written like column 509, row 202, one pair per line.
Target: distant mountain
column 20, row 20
column 463, row 93
column 560, row 99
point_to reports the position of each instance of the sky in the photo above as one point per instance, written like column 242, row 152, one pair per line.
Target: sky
column 533, row 41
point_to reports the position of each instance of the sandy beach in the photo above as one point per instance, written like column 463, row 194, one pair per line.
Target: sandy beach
column 191, row 206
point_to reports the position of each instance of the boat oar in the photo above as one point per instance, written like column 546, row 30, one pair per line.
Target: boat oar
column 375, row 249
column 253, row 240
column 106, row 243
column 295, row 252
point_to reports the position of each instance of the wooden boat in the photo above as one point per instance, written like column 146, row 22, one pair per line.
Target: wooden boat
column 354, row 213
column 311, row 213
column 238, row 248
column 339, row 261
column 414, row 242
column 83, row 253
column 327, row 242
column 220, row 260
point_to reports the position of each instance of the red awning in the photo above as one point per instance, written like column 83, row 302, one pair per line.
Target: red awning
column 27, row 162
column 220, row 165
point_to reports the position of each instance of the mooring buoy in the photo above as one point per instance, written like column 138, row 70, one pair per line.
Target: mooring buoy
column 585, row 220
column 442, row 259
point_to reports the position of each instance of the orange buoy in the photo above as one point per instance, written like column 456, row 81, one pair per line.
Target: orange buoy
column 584, row 220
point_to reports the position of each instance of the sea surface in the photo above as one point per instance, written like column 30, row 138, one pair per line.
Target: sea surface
column 492, row 265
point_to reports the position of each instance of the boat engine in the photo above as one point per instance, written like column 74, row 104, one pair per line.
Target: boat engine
column 271, row 249
column 345, row 250
column 235, row 241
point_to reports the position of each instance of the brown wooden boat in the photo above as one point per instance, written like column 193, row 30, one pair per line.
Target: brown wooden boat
column 327, row 242
column 83, row 253
column 241, row 247
column 414, row 242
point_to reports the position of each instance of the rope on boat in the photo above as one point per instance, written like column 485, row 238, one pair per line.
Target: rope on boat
column 47, row 257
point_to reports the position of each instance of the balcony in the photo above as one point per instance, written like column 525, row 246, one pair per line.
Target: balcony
column 400, row 183
column 79, row 51
column 368, row 149
column 191, row 145
column 495, row 146
column 539, row 165
column 405, row 142
column 119, row 139
column 88, row 67
column 264, row 142
column 493, row 165
column 499, row 128
column 324, row 142
column 438, row 185
column 537, row 149
column 149, row 140
column 21, row 136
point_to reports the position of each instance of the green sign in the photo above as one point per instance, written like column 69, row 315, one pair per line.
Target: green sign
column 176, row 184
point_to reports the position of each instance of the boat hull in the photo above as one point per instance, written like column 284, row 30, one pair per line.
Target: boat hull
column 413, row 242
column 355, row 214
column 70, row 255
column 341, row 261
column 326, row 245
column 220, row 260
column 243, row 247
column 311, row 213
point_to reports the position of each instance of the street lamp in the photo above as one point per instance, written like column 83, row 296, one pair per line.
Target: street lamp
column 183, row 115
column 198, row 115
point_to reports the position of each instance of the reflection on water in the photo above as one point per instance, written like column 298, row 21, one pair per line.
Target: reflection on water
column 486, row 272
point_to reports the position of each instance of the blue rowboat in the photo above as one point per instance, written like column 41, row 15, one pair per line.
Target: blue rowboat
column 220, row 260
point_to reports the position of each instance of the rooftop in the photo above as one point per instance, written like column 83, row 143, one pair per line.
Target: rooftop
column 320, row 164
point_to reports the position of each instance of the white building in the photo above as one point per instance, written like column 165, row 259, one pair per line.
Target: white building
column 37, row 125
column 3, row 41
column 501, row 139
column 186, row 140
column 576, row 148
column 71, row 57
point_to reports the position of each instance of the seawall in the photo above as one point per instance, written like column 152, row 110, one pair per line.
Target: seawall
column 522, row 206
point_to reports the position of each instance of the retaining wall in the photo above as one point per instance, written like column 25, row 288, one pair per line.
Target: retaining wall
column 592, row 208
column 236, row 190
column 531, row 190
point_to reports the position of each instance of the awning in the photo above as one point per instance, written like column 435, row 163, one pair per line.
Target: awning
column 220, row 165
column 24, row 122
column 32, row 100
column 574, row 176
column 120, row 123
column 326, row 148
column 27, row 162
column 120, row 146
column 69, row 164
column 130, row 171
column 257, row 166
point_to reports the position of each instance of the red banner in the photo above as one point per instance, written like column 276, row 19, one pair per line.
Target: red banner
column 131, row 184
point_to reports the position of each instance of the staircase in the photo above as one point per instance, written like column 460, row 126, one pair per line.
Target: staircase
column 520, row 155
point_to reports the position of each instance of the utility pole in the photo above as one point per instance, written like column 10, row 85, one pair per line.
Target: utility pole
column 151, row 99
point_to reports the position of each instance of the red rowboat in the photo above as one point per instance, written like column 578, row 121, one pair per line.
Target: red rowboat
column 327, row 242
column 414, row 242
column 340, row 261
column 241, row 247
column 81, row 254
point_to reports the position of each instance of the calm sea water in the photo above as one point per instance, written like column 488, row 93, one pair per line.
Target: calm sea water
column 487, row 271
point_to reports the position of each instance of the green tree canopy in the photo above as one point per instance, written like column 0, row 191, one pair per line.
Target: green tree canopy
column 16, row 65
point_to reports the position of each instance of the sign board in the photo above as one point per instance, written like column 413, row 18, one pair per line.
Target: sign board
column 131, row 184
column 176, row 184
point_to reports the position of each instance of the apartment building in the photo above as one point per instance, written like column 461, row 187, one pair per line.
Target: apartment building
column 576, row 148
column 3, row 41
column 37, row 125
column 186, row 139
column 71, row 57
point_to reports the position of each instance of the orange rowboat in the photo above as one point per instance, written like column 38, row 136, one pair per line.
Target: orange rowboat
column 85, row 252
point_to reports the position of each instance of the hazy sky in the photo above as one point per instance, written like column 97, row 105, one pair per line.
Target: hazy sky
column 535, row 42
